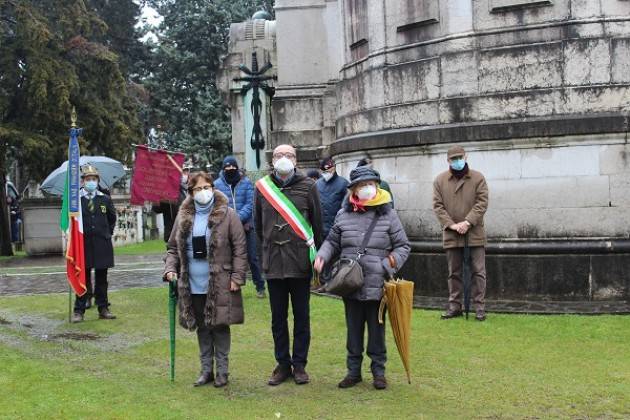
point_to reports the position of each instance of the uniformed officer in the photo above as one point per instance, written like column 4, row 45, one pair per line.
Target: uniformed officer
column 99, row 220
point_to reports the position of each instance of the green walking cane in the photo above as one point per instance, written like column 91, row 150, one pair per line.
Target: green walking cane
column 172, row 305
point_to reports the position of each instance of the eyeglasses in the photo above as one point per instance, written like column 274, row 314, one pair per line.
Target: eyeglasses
column 204, row 188
column 287, row 155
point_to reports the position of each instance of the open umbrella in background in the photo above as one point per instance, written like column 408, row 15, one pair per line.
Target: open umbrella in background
column 109, row 170
column 466, row 276
column 398, row 299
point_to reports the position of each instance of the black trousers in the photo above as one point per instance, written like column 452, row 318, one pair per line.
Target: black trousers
column 100, row 290
column 358, row 315
column 298, row 290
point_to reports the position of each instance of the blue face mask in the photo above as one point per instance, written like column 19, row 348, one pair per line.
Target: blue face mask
column 91, row 186
column 458, row 164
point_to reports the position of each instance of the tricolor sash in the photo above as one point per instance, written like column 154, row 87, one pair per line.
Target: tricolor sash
column 289, row 212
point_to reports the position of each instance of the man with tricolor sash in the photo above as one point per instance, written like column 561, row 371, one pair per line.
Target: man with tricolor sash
column 288, row 219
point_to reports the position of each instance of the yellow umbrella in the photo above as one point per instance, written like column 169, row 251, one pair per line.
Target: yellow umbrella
column 398, row 298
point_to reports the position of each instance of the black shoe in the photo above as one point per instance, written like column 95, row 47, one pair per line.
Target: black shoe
column 451, row 314
column 300, row 376
column 221, row 380
column 279, row 375
column 77, row 317
column 103, row 313
column 380, row 382
column 480, row 315
column 349, row 382
column 204, row 378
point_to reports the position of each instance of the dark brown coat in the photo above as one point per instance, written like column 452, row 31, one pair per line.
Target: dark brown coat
column 283, row 253
column 456, row 200
column 227, row 256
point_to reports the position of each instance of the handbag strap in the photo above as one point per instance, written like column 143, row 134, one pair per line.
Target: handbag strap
column 366, row 238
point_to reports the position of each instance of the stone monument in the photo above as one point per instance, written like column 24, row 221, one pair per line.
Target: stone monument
column 538, row 92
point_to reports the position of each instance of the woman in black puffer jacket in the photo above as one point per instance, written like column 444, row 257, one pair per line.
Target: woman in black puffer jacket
column 386, row 251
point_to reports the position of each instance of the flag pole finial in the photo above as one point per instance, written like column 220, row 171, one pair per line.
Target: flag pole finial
column 73, row 118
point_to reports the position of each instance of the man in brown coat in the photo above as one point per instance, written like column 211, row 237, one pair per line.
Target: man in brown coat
column 286, row 263
column 460, row 200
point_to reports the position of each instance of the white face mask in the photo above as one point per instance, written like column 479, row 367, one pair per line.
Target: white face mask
column 284, row 166
column 203, row 197
column 366, row 192
column 327, row 176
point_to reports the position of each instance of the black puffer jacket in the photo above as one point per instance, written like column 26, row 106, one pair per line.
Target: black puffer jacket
column 388, row 237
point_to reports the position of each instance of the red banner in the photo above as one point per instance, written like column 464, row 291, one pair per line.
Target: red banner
column 156, row 176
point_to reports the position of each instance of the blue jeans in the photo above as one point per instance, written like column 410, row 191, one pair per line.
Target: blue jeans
column 252, row 258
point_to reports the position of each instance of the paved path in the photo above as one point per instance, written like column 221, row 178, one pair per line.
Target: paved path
column 23, row 276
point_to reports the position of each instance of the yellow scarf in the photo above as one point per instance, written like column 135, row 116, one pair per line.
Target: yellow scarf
column 382, row 197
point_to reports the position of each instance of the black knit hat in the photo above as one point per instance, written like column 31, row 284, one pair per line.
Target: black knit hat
column 230, row 161
column 326, row 164
column 362, row 174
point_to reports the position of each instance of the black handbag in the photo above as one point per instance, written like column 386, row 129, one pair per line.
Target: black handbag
column 347, row 274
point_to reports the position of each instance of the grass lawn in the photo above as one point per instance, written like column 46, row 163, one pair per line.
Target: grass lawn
column 16, row 254
column 512, row 366
column 143, row 248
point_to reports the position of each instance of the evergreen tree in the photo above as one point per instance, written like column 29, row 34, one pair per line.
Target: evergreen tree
column 185, row 101
column 50, row 61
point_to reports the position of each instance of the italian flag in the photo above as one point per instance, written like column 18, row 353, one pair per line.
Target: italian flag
column 71, row 222
column 287, row 210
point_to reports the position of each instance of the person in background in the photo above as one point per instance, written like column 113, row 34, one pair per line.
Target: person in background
column 386, row 252
column 239, row 190
column 169, row 210
column 460, row 201
column 99, row 221
column 332, row 190
column 313, row 174
column 206, row 254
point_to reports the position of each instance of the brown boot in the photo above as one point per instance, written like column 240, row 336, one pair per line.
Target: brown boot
column 204, row 378
column 349, row 381
column 380, row 382
column 451, row 314
column 103, row 313
column 77, row 317
column 300, row 376
column 221, row 380
column 279, row 375
column 480, row 315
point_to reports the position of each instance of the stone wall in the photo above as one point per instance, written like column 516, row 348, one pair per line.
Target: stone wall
column 514, row 81
column 540, row 188
column 537, row 91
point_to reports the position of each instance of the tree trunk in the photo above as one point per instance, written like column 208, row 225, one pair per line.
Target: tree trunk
column 5, row 222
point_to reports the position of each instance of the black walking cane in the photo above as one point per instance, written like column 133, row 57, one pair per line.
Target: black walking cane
column 466, row 276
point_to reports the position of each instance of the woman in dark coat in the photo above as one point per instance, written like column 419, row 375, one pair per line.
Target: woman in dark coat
column 386, row 251
column 207, row 255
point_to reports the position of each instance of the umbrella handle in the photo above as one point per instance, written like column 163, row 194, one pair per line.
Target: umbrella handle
column 381, row 308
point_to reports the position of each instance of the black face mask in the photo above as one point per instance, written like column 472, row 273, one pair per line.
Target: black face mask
column 232, row 176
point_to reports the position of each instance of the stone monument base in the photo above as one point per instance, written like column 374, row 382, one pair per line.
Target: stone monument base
column 555, row 277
